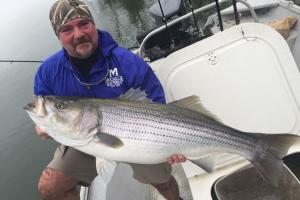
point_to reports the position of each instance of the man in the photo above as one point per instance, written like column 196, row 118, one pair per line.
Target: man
column 91, row 64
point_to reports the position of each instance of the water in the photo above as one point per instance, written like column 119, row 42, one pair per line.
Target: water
column 25, row 34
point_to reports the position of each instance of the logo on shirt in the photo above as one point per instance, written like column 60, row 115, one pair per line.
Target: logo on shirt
column 114, row 79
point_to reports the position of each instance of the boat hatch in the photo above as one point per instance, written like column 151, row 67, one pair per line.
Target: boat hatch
column 245, row 75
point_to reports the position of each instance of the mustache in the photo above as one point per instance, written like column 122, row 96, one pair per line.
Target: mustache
column 83, row 39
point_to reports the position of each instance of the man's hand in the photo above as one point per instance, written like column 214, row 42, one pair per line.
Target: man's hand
column 41, row 133
column 176, row 158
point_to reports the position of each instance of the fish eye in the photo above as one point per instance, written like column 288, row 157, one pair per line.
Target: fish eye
column 60, row 105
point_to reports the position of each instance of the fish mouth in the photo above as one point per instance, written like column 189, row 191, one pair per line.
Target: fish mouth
column 30, row 107
column 37, row 107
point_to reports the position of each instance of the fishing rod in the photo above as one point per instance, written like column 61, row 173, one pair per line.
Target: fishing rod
column 166, row 24
column 236, row 15
column 219, row 15
column 20, row 61
column 195, row 20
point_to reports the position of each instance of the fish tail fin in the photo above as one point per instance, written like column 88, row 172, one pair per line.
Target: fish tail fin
column 269, row 151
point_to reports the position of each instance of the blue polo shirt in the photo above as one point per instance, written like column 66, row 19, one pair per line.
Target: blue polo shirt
column 119, row 69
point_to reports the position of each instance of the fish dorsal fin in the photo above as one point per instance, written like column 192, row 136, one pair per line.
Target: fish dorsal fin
column 135, row 95
column 193, row 103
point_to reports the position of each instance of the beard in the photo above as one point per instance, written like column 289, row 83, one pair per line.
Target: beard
column 84, row 47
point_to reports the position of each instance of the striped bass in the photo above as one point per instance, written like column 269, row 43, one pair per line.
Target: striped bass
column 148, row 133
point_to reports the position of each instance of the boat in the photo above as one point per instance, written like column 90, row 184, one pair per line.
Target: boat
column 245, row 71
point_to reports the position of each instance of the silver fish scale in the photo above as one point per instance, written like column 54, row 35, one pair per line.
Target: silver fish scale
column 169, row 125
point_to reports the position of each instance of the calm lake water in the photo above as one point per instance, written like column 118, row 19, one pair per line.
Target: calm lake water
column 26, row 34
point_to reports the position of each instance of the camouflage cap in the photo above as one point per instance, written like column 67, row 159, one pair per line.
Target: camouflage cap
column 65, row 10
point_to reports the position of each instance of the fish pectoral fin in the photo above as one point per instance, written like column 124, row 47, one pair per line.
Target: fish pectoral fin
column 194, row 103
column 206, row 163
column 109, row 140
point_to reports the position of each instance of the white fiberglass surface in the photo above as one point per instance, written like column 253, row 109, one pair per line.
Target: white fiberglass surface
column 247, row 77
column 245, row 81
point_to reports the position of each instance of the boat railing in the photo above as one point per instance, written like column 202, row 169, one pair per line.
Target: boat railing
column 179, row 19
